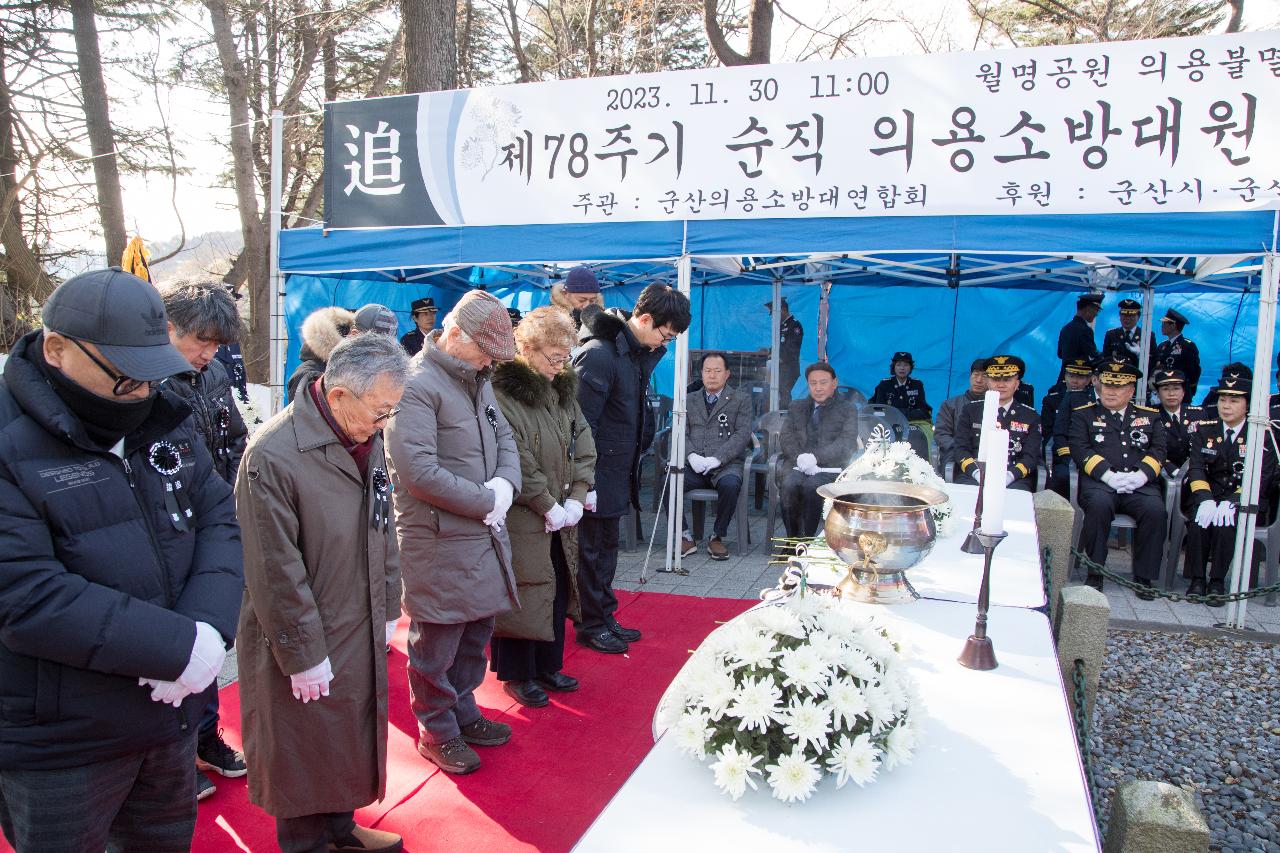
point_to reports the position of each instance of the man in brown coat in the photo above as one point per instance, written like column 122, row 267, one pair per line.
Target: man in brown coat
column 322, row 576
column 456, row 470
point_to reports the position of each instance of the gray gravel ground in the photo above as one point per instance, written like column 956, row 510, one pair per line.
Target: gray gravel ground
column 1201, row 712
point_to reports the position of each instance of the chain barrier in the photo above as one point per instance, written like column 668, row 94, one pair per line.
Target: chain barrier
column 1079, row 711
column 1046, row 571
column 1210, row 599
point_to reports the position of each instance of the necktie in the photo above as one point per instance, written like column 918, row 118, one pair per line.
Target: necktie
column 815, row 417
column 711, row 400
column 1231, row 436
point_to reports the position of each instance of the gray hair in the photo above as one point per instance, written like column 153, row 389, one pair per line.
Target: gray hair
column 202, row 308
column 451, row 322
column 358, row 361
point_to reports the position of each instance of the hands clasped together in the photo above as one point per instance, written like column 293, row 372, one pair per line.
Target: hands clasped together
column 1125, row 483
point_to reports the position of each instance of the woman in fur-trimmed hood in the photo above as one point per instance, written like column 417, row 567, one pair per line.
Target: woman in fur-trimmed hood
column 323, row 330
column 538, row 394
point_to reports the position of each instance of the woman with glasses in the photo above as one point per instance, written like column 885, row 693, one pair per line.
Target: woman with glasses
column 538, row 393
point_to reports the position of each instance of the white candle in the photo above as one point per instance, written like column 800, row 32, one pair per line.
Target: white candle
column 990, row 408
column 993, row 482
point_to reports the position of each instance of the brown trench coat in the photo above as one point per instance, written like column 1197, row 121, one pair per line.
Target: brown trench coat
column 547, row 423
column 320, row 581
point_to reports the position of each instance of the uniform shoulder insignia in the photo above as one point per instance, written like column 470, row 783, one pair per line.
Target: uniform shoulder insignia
column 1085, row 406
column 1143, row 408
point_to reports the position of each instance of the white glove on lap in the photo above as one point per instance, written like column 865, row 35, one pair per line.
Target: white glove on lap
column 1137, row 480
column 697, row 462
column 1008, row 478
column 574, row 510
column 556, row 518
column 711, row 464
column 1115, row 481
column 807, row 463
column 391, row 630
column 503, row 492
column 590, row 503
column 1226, row 514
column 1205, row 514
column 309, row 685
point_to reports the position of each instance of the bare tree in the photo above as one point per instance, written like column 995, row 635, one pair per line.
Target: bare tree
column 759, row 34
column 1033, row 22
column 430, row 48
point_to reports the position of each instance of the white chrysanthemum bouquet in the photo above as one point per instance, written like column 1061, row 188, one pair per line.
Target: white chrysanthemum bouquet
column 897, row 461
column 793, row 690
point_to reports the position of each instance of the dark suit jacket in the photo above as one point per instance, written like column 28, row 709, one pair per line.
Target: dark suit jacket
column 834, row 443
column 723, row 432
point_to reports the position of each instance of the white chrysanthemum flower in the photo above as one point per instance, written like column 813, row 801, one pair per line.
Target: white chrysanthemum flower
column 776, row 619
column 828, row 647
column 755, row 703
column 718, row 694
column 733, row 771
column 846, row 702
column 804, row 668
column 899, row 746
column 807, row 608
column 859, row 665
column 794, row 777
column 755, row 648
column 807, row 722
column 843, row 620
column 726, row 639
column 669, row 713
column 691, row 732
column 900, row 451
column 894, row 683
column 696, row 675
column 854, row 760
column 874, row 643
column 879, row 706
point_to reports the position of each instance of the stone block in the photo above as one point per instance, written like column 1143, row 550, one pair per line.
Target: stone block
column 1054, row 522
column 1080, row 629
column 1155, row 817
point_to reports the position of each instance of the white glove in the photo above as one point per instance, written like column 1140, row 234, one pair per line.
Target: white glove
column 556, row 518
column 503, row 492
column 574, row 510
column 697, row 462
column 590, row 503
column 169, row 692
column 807, row 463
column 1137, row 480
column 207, row 654
column 309, row 685
column 1008, row 478
column 391, row 630
column 1205, row 514
column 711, row 463
column 1226, row 514
column 1116, row 481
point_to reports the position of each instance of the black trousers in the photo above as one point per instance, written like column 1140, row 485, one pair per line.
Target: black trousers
column 1100, row 505
column 312, row 833
column 1216, row 545
column 515, row 659
column 801, row 503
column 597, row 565
column 727, row 491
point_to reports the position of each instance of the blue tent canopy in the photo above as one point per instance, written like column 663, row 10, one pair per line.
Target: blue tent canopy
column 949, row 289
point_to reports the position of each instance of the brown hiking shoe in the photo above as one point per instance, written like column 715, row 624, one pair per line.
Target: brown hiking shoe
column 368, row 841
column 452, row 756
column 486, row 733
column 687, row 547
column 716, row 548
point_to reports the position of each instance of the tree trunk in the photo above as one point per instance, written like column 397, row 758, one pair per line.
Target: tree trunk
column 93, row 89
column 430, row 49
column 254, row 265
column 760, row 34
column 1237, row 15
column 517, row 46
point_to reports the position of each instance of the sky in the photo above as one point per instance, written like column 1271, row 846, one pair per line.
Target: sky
column 198, row 120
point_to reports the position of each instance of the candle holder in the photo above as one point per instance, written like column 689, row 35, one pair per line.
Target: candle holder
column 972, row 544
column 978, row 652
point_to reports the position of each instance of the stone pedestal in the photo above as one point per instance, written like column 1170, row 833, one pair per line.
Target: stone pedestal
column 1155, row 817
column 1054, row 521
column 1080, row 622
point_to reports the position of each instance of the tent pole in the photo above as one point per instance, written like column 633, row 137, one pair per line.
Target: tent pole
column 679, row 401
column 774, row 343
column 824, row 317
column 1144, row 332
column 278, row 334
column 1259, row 424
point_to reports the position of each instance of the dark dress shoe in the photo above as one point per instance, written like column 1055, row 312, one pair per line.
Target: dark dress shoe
column 527, row 693
column 1146, row 590
column 626, row 635
column 362, row 838
column 1094, row 581
column 1196, row 587
column 604, row 642
column 1217, row 588
column 558, row 682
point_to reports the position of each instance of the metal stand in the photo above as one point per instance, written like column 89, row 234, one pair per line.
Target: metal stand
column 972, row 544
column 978, row 652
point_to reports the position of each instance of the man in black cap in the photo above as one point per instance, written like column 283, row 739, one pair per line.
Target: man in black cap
column 120, row 580
column 1178, row 353
column 1216, row 476
column 1179, row 419
column 1124, row 343
column 1075, row 389
column 423, row 312
column 1234, row 370
column 902, row 391
column 1003, row 374
column 1076, row 340
column 1119, row 450
column 790, row 336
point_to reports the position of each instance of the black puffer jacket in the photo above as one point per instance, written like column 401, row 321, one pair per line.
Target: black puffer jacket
column 208, row 393
column 98, row 588
column 613, row 369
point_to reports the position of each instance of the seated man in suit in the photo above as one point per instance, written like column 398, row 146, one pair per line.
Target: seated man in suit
column 1119, row 450
column 821, row 431
column 949, row 423
column 1216, row 475
column 718, row 435
column 1022, row 422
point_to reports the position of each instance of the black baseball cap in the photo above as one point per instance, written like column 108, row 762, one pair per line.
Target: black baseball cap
column 123, row 316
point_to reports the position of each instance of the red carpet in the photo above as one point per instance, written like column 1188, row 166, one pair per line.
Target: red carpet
column 540, row 791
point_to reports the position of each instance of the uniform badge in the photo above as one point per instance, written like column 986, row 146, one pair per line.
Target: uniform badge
column 1099, row 438
column 1139, row 437
column 1015, row 446
column 1141, row 422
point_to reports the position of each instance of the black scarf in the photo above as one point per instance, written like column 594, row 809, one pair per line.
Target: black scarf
column 106, row 420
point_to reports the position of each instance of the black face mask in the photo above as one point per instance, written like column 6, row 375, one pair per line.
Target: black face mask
column 105, row 420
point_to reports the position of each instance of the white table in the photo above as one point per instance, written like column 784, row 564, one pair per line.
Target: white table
column 952, row 575
column 998, row 769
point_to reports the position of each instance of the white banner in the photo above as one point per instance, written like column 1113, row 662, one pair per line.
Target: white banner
column 1129, row 127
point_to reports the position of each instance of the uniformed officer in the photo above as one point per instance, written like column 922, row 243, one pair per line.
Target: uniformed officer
column 515, row 315
column 1004, row 372
column 1178, row 353
column 1124, row 343
column 1179, row 420
column 1217, row 476
column 903, row 391
column 423, row 312
column 1118, row 447
column 1234, row 370
column 1076, row 340
column 790, row 336
column 1075, row 389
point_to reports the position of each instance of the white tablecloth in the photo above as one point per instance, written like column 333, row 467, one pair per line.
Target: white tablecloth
column 952, row 575
column 998, row 769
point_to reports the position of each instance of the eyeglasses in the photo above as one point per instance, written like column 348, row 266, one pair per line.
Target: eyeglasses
column 668, row 337
column 378, row 418
column 124, row 384
column 557, row 363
